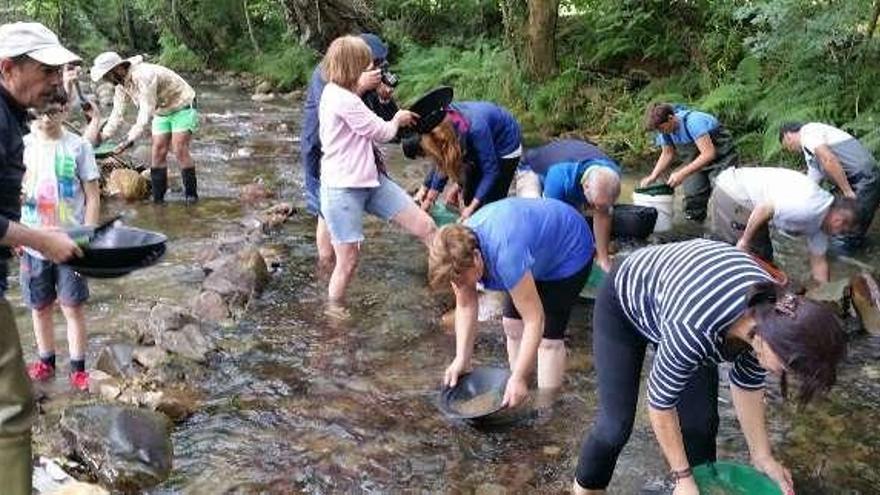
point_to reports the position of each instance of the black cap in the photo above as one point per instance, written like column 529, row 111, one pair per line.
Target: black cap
column 431, row 108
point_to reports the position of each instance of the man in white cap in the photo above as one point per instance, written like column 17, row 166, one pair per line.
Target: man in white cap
column 31, row 62
column 164, row 98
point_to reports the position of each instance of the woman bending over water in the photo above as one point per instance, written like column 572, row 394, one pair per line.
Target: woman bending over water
column 699, row 303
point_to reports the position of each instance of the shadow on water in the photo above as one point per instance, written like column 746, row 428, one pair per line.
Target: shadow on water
column 298, row 402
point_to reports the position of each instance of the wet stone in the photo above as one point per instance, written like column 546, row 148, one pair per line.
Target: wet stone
column 189, row 342
column 149, row 356
column 264, row 87
column 105, row 385
column 128, row 449
column 116, row 360
column 210, row 306
column 490, row 489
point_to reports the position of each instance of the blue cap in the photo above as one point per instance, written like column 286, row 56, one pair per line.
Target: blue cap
column 377, row 46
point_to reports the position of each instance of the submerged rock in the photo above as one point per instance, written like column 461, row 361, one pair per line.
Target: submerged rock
column 127, row 449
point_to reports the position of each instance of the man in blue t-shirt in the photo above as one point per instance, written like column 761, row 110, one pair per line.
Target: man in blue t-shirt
column 700, row 142
column 580, row 174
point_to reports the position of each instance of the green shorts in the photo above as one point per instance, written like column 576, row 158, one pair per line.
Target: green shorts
column 184, row 120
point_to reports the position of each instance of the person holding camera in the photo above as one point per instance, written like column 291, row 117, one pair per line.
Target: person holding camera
column 376, row 89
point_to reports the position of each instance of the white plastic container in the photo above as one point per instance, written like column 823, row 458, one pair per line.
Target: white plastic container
column 665, row 205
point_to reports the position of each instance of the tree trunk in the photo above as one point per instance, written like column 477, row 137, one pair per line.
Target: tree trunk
column 874, row 16
column 540, row 47
column 319, row 22
column 530, row 31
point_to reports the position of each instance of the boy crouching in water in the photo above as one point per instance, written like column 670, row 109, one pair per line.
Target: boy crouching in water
column 60, row 191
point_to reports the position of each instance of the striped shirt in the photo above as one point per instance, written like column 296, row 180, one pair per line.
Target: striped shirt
column 683, row 297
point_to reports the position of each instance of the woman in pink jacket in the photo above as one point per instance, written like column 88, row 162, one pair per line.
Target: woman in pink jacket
column 352, row 181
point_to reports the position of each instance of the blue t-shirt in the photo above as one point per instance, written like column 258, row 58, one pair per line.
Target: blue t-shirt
column 546, row 237
column 563, row 180
column 691, row 125
column 540, row 159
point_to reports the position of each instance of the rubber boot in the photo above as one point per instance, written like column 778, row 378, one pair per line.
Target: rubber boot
column 159, row 182
column 190, row 185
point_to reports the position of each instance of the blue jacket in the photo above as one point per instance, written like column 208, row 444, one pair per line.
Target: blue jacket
column 492, row 133
column 310, row 142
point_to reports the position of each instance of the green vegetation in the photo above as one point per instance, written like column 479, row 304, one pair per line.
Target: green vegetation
column 754, row 63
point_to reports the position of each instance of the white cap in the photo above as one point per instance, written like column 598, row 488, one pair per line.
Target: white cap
column 34, row 40
column 104, row 63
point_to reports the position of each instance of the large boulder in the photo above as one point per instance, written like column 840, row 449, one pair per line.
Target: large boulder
column 127, row 449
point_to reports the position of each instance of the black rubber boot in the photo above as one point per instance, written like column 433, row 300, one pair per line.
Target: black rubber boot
column 159, row 181
column 190, row 185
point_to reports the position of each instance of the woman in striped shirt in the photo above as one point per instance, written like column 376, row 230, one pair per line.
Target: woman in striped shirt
column 698, row 303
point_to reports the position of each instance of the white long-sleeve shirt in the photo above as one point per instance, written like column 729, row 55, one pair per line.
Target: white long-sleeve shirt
column 154, row 90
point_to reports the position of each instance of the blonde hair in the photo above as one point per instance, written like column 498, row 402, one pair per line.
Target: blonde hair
column 345, row 60
column 442, row 145
column 451, row 254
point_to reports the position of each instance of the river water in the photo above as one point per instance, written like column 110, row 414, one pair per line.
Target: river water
column 299, row 403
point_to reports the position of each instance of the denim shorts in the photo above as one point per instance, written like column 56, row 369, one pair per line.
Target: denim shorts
column 343, row 207
column 42, row 282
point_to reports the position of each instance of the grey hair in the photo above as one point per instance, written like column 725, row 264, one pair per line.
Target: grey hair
column 604, row 178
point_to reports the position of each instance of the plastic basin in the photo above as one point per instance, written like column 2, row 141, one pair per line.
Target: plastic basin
column 731, row 478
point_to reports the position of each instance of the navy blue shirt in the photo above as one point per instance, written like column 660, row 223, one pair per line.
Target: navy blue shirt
column 310, row 143
column 492, row 134
column 540, row 159
column 13, row 127
column 546, row 237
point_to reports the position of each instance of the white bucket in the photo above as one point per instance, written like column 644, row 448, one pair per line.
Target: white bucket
column 664, row 204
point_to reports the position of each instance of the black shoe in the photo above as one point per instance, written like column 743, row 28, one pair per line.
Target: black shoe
column 190, row 199
column 159, row 183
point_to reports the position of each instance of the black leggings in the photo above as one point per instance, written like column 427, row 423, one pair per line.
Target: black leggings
column 499, row 189
column 618, row 352
column 557, row 298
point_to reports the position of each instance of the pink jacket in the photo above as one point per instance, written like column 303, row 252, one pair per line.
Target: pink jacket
column 348, row 129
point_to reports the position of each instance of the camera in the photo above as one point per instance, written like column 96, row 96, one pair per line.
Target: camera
column 388, row 78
